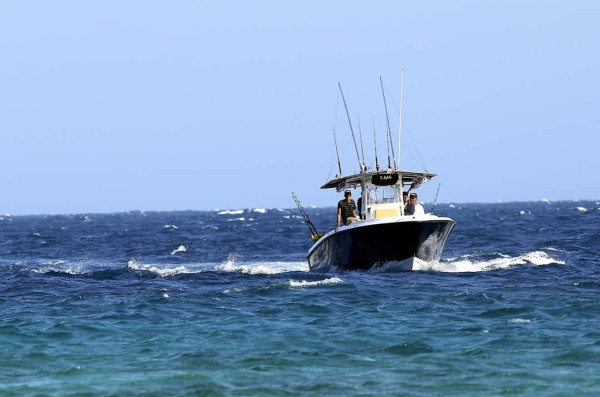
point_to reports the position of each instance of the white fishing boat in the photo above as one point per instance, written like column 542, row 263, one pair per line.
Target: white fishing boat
column 385, row 236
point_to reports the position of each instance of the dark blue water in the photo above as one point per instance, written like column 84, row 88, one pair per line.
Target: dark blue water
column 221, row 303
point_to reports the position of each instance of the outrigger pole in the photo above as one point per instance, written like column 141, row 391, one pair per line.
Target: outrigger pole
column 375, row 141
column 389, row 133
column 351, row 129
column 336, row 151
column 314, row 235
column 400, row 127
column 362, row 151
column 387, row 141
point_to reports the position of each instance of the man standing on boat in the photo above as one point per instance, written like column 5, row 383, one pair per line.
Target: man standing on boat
column 346, row 210
column 414, row 208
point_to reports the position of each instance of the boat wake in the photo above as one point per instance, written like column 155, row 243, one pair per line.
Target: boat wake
column 229, row 266
column 468, row 264
column 463, row 264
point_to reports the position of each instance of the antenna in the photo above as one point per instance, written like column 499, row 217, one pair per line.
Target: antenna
column 362, row 151
column 387, row 117
column 400, row 127
column 351, row 129
column 336, row 150
column 375, row 141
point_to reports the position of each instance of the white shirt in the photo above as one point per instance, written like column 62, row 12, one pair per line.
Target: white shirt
column 419, row 210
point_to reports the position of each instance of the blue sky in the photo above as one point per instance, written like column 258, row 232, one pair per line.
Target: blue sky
column 152, row 105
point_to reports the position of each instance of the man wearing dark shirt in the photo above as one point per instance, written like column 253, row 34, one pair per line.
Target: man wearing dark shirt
column 346, row 210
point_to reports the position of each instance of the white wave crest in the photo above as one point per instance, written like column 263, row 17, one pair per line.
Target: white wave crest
column 66, row 268
column 181, row 248
column 259, row 210
column 262, row 268
column 231, row 212
column 170, row 227
column 327, row 281
column 519, row 320
column 581, row 209
column 237, row 219
column 163, row 270
column 464, row 265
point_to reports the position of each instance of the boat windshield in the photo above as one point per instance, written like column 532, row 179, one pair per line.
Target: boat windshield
column 383, row 194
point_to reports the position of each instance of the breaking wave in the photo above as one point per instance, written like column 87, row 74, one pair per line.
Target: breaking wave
column 181, row 248
column 58, row 267
column 230, row 212
column 229, row 266
column 466, row 265
column 327, row 281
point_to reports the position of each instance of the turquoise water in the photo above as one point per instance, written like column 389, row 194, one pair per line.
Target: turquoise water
column 222, row 303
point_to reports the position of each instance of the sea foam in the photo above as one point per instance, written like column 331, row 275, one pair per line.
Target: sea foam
column 229, row 266
column 304, row 283
column 181, row 248
column 231, row 212
column 261, row 267
column 465, row 265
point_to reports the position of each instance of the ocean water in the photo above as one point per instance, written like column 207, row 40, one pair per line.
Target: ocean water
column 222, row 303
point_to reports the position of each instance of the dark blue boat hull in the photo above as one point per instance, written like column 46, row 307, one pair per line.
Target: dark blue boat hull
column 362, row 248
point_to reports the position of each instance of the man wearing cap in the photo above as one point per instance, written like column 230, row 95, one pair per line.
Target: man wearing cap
column 346, row 210
column 413, row 207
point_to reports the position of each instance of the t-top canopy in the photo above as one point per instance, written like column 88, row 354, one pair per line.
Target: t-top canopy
column 379, row 178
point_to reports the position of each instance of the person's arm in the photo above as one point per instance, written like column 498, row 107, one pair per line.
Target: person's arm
column 339, row 218
column 354, row 209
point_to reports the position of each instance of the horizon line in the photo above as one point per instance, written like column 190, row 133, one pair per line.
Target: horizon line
column 281, row 208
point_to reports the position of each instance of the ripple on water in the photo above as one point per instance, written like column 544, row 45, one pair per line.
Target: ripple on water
column 409, row 348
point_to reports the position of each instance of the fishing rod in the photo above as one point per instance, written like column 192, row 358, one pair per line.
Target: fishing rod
column 400, row 123
column 375, row 142
column 350, row 122
column 336, row 151
column 362, row 151
column 389, row 132
column 387, row 141
column 436, row 197
column 314, row 235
